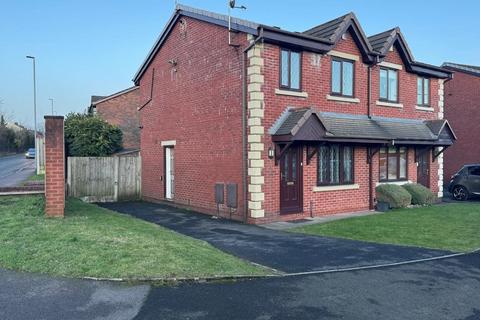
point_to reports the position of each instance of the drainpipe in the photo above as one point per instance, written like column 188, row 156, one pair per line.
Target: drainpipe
column 370, row 164
column 244, row 124
column 369, row 92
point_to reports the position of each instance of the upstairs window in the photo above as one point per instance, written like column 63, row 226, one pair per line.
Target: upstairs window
column 393, row 164
column 290, row 69
column 335, row 165
column 388, row 85
column 342, row 77
column 423, row 92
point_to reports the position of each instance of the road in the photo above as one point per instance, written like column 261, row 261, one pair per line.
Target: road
column 15, row 169
column 437, row 290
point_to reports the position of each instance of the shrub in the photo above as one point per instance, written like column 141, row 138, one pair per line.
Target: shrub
column 395, row 196
column 90, row 136
column 420, row 194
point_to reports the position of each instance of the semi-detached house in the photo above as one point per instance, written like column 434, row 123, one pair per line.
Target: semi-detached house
column 261, row 124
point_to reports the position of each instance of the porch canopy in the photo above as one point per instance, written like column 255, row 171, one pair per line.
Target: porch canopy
column 308, row 125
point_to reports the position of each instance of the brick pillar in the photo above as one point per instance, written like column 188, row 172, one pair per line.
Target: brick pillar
column 54, row 167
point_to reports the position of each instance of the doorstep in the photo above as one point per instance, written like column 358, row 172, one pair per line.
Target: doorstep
column 285, row 225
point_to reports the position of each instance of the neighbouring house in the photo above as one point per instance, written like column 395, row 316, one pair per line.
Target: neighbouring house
column 462, row 96
column 120, row 109
column 261, row 124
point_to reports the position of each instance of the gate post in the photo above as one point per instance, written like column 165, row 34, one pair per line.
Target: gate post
column 54, row 167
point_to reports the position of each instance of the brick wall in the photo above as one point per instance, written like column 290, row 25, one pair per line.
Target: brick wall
column 197, row 104
column 462, row 106
column 122, row 111
column 54, row 166
column 316, row 75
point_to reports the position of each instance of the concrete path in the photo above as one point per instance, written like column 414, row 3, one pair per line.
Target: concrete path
column 15, row 169
column 284, row 251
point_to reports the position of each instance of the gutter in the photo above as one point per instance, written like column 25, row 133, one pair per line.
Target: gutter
column 244, row 123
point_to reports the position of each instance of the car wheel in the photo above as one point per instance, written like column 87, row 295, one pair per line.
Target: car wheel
column 460, row 193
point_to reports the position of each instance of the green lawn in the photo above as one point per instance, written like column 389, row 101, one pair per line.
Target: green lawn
column 37, row 177
column 452, row 227
column 92, row 241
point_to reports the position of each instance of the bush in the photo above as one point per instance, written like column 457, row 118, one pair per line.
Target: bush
column 395, row 196
column 420, row 194
column 90, row 136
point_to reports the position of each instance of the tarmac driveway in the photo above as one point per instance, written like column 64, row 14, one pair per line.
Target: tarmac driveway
column 284, row 251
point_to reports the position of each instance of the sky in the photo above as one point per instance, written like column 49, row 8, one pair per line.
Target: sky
column 94, row 47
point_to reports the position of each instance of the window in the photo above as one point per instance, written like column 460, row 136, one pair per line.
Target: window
column 474, row 171
column 423, row 91
column 335, row 165
column 290, row 69
column 342, row 77
column 393, row 164
column 388, row 85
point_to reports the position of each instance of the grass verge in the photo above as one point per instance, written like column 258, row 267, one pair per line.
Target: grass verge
column 450, row 227
column 96, row 242
column 37, row 177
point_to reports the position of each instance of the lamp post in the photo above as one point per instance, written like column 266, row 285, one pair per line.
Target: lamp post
column 35, row 111
column 51, row 100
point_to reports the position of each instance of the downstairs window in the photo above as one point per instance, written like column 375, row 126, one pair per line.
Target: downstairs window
column 393, row 164
column 335, row 165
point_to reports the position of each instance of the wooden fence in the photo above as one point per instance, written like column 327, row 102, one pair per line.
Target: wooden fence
column 104, row 179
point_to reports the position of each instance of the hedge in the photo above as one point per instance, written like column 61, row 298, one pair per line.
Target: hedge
column 394, row 195
column 420, row 194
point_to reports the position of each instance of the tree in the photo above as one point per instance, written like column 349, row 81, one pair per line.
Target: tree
column 89, row 136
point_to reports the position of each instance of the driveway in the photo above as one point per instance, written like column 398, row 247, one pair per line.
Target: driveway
column 435, row 290
column 15, row 169
column 287, row 252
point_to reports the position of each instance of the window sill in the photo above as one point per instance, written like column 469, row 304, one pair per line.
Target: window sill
column 398, row 183
column 336, row 188
column 389, row 104
column 343, row 99
column 429, row 109
column 299, row 94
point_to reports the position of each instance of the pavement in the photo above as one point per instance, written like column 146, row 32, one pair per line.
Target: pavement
column 39, row 297
column 434, row 290
column 284, row 251
column 15, row 169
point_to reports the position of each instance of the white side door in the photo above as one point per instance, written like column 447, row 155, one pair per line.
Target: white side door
column 169, row 173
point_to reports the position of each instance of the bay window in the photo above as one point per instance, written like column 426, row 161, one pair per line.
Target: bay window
column 393, row 164
column 335, row 165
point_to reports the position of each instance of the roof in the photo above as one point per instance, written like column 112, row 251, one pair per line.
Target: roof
column 114, row 95
column 473, row 70
column 321, row 38
column 330, row 30
column 380, row 40
column 361, row 127
column 94, row 99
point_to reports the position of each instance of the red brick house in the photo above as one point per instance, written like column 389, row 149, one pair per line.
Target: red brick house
column 261, row 124
column 121, row 109
column 462, row 96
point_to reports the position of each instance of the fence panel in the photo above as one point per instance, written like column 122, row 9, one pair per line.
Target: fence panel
column 104, row 179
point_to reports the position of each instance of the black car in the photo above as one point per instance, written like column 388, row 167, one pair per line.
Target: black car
column 465, row 183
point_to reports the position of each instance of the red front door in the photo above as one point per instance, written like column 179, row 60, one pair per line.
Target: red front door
column 291, row 182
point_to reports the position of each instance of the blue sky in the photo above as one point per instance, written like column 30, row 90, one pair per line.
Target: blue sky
column 87, row 47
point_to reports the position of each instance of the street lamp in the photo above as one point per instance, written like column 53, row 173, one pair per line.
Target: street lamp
column 51, row 100
column 35, row 111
